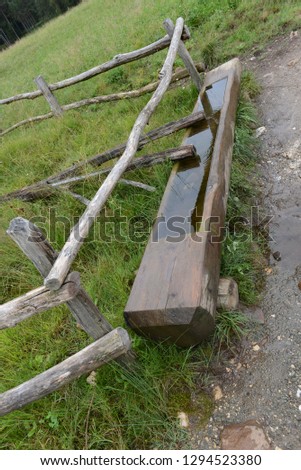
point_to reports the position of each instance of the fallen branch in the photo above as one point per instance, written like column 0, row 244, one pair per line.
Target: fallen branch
column 176, row 79
column 43, row 189
column 64, row 260
column 118, row 60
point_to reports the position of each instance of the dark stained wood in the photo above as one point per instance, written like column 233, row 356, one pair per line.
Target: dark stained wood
column 175, row 291
column 113, row 345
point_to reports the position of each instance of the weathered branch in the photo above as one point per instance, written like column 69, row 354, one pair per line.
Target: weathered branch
column 110, row 347
column 63, row 262
column 118, row 60
column 36, row 247
column 36, row 301
column 176, row 79
column 43, row 188
column 137, row 184
column 175, row 154
column 185, row 56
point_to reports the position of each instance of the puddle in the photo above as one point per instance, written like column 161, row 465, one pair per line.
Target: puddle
column 286, row 233
column 183, row 203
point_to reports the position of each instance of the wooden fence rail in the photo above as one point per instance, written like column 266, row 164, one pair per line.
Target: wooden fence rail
column 62, row 286
column 57, row 110
column 60, row 269
column 118, row 60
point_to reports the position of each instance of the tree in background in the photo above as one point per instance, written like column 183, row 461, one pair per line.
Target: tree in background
column 18, row 17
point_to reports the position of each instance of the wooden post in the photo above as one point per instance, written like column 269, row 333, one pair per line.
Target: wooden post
column 110, row 347
column 34, row 245
column 36, row 301
column 49, row 96
column 185, row 56
column 77, row 236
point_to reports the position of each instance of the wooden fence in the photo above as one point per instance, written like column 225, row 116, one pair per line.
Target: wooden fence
column 56, row 110
column 62, row 286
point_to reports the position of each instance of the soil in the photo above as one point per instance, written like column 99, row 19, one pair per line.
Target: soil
column 264, row 383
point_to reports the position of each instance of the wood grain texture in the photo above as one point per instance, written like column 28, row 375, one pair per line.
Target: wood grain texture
column 118, row 60
column 176, row 80
column 35, row 246
column 62, row 264
column 36, row 301
column 175, row 291
column 110, row 347
column 49, row 96
column 185, row 56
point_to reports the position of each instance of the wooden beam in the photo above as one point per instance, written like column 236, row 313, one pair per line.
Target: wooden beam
column 62, row 264
column 118, row 60
column 49, row 96
column 110, row 347
column 36, row 301
column 176, row 80
column 174, row 295
column 185, row 56
column 35, row 246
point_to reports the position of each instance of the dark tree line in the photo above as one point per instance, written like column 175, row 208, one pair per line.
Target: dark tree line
column 18, row 17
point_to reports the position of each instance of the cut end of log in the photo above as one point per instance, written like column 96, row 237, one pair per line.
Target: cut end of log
column 52, row 283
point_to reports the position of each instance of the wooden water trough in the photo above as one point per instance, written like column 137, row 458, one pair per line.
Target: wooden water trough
column 174, row 295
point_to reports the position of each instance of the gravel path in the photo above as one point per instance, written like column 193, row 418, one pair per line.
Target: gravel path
column 265, row 384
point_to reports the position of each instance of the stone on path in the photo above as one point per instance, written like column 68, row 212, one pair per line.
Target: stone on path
column 244, row 436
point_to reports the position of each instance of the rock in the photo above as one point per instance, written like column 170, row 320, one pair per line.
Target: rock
column 91, row 379
column 227, row 297
column 244, row 436
column 260, row 131
column 294, row 34
column 184, row 420
column 217, row 393
column 256, row 347
column 277, row 255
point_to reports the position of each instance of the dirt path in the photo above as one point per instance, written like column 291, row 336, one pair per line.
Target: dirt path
column 264, row 384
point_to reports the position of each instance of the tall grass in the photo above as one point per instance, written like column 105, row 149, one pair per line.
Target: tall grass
column 123, row 409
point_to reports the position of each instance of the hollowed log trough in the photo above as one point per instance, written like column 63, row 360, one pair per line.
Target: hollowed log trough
column 174, row 294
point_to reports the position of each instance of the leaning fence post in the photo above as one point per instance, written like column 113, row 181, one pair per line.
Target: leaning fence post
column 31, row 240
column 184, row 54
column 49, row 96
column 34, row 245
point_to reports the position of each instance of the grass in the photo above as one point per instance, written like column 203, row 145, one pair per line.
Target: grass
column 123, row 410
